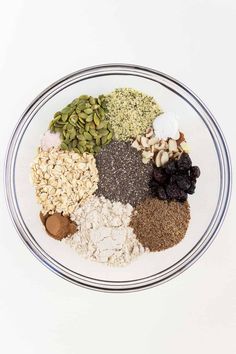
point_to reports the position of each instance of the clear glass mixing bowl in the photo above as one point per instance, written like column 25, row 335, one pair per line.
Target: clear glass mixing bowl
column 208, row 205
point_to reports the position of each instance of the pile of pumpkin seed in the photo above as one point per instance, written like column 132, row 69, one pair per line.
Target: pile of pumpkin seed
column 82, row 125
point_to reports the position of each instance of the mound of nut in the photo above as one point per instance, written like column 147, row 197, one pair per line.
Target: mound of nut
column 159, row 150
column 63, row 179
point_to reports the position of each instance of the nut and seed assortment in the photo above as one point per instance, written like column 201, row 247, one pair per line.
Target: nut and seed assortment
column 112, row 177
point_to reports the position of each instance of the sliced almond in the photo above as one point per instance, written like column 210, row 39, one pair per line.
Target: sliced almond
column 147, row 154
column 152, row 148
column 164, row 158
column 172, row 145
column 153, row 141
column 177, row 155
column 158, row 159
column 145, row 160
column 136, row 145
column 185, row 147
column 144, row 142
column 162, row 145
column 149, row 132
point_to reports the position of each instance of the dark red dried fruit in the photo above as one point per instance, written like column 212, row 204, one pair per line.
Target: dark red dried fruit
column 184, row 163
column 175, row 179
column 170, row 167
column 159, row 175
column 183, row 182
column 161, row 193
column 195, row 172
column 174, row 192
column 192, row 188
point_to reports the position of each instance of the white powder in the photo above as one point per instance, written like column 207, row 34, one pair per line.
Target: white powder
column 103, row 232
column 50, row 140
column 166, row 126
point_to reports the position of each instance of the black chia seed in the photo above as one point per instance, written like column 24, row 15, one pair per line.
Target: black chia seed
column 123, row 177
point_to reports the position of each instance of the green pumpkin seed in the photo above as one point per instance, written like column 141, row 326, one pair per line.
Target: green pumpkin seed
column 75, row 102
column 87, row 127
column 92, row 125
column 57, row 114
column 60, row 123
column 82, row 143
column 89, row 118
column 51, row 124
column 104, row 140
column 109, row 136
column 81, row 120
column 67, row 110
column 92, row 100
column 64, row 117
column 87, row 136
column 81, row 106
column 72, row 134
column 83, row 97
column 67, row 135
column 97, row 149
column 73, row 118
column 64, row 146
column 101, row 112
column 81, row 137
column 74, row 143
column 76, row 150
column 72, row 123
column 81, row 149
column 93, row 132
column 96, row 119
column 83, row 115
column 88, row 111
column 69, row 127
column 103, row 124
column 98, row 141
column 103, row 132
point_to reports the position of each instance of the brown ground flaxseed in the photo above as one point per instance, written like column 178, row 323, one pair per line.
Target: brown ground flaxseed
column 160, row 224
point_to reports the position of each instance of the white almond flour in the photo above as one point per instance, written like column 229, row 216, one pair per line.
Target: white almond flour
column 103, row 232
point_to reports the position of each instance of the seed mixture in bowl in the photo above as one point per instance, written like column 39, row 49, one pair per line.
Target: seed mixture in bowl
column 112, row 176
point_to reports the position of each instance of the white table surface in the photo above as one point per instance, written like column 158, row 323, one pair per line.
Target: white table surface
column 194, row 41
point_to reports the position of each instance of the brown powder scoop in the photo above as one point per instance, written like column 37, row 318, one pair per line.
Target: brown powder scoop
column 58, row 226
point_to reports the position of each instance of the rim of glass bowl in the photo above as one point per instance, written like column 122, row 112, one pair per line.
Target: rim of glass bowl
column 223, row 160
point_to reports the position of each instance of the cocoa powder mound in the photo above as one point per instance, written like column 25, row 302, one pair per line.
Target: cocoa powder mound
column 160, row 224
column 58, row 226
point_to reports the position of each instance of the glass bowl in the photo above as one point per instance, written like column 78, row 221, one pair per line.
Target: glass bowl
column 208, row 205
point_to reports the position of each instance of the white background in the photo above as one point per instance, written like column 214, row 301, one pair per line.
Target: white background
column 194, row 41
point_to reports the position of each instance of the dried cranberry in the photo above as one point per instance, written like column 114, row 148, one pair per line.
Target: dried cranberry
column 161, row 193
column 182, row 196
column 170, row 167
column 183, row 182
column 173, row 179
column 172, row 191
column 184, row 162
column 192, row 188
column 195, row 172
column 159, row 175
